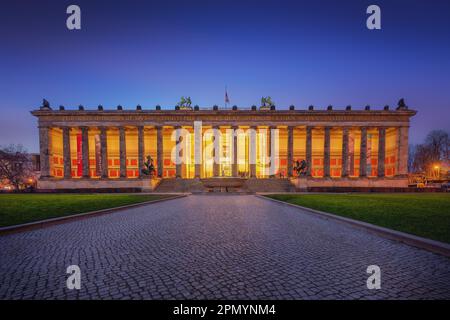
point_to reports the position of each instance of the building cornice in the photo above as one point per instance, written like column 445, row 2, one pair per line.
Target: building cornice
column 256, row 113
column 115, row 118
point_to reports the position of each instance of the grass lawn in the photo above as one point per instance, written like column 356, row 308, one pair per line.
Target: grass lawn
column 425, row 215
column 21, row 208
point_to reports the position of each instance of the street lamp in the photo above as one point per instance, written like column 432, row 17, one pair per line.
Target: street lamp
column 436, row 170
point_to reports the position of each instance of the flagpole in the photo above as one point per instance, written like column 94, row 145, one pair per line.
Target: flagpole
column 226, row 95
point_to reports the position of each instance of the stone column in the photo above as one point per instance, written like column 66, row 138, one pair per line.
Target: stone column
column 123, row 153
column 216, row 164
column 85, row 151
column 104, row 151
column 141, row 155
column 345, row 164
column 402, row 147
column 198, row 149
column 309, row 150
column 178, row 155
column 290, row 151
column 235, row 152
column 271, row 150
column 159, row 150
column 381, row 150
column 363, row 153
column 44, row 151
column 326, row 153
column 252, row 151
column 66, row 153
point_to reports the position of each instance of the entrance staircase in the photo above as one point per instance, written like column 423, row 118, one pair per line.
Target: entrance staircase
column 270, row 185
column 225, row 185
column 180, row 185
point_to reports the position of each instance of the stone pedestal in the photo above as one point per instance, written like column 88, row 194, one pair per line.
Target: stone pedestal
column 144, row 184
column 149, row 185
column 300, row 183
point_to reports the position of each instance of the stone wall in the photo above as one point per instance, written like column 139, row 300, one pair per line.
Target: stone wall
column 385, row 182
column 87, row 184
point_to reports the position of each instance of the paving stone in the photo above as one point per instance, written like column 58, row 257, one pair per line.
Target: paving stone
column 215, row 247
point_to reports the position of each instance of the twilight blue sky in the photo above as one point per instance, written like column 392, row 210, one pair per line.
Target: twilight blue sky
column 153, row 52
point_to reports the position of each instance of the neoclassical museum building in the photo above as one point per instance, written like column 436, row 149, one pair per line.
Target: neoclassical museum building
column 345, row 149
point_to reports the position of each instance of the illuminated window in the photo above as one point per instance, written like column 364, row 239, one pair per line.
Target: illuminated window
column 113, row 143
column 372, row 152
column 169, row 168
column 56, row 153
column 390, row 160
column 132, row 156
column 299, row 151
column 318, row 143
column 76, row 155
column 150, row 146
column 208, row 154
column 283, row 147
column 261, row 151
column 354, row 143
column 336, row 152
column 95, row 153
column 242, row 152
column 188, row 167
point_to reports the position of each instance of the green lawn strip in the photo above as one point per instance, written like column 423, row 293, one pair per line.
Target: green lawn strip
column 22, row 208
column 425, row 215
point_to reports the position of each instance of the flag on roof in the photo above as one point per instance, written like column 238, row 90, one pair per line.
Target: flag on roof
column 227, row 100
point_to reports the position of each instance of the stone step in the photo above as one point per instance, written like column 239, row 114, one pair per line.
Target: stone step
column 214, row 185
column 270, row 185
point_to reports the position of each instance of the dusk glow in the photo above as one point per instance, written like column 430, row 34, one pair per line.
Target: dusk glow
column 153, row 52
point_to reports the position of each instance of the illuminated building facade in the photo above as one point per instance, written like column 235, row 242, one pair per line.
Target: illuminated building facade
column 86, row 149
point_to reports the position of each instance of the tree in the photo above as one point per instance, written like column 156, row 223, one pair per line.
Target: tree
column 434, row 151
column 412, row 148
column 438, row 142
column 15, row 165
column 422, row 161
